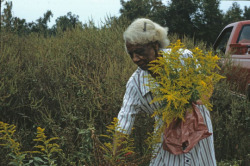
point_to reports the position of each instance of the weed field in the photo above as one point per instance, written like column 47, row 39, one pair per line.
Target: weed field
column 72, row 85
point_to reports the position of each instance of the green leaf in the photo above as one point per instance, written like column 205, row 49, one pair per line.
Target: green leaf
column 13, row 163
column 39, row 159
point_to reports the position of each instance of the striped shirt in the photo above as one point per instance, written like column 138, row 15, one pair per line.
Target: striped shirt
column 137, row 99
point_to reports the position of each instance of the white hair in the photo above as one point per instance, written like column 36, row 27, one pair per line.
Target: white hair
column 143, row 31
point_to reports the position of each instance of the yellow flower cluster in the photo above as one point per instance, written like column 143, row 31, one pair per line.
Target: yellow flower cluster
column 7, row 141
column 6, row 137
column 114, row 154
column 47, row 148
column 181, row 80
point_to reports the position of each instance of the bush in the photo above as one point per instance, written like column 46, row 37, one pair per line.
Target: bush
column 231, row 123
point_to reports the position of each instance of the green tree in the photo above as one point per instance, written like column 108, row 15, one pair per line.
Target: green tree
column 179, row 16
column 0, row 23
column 20, row 26
column 158, row 11
column 246, row 14
column 208, row 20
column 135, row 8
column 11, row 23
column 7, row 16
column 153, row 9
column 1, row 15
column 233, row 14
column 42, row 24
column 68, row 21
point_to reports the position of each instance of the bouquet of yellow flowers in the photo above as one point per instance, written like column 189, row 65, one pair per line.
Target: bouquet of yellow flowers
column 181, row 80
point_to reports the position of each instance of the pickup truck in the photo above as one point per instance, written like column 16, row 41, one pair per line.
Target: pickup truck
column 234, row 41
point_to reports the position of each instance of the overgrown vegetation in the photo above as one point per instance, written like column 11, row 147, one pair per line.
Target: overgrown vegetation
column 68, row 84
column 73, row 84
column 71, row 81
column 231, row 125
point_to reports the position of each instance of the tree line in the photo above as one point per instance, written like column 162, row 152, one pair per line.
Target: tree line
column 9, row 23
column 200, row 19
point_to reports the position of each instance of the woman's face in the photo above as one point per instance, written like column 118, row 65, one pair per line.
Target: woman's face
column 143, row 54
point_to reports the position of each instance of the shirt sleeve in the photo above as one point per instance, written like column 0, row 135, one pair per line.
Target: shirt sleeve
column 129, row 109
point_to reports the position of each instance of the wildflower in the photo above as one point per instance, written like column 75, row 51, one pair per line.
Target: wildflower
column 113, row 154
column 46, row 148
column 182, row 80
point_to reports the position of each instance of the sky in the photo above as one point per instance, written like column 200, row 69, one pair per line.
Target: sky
column 97, row 10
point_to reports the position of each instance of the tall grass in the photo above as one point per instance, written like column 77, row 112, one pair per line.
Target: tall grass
column 67, row 84
column 231, row 122
column 73, row 84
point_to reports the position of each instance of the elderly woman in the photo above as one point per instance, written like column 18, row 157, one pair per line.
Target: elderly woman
column 144, row 39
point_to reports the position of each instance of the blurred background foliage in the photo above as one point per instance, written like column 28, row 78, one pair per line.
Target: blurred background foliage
column 70, row 78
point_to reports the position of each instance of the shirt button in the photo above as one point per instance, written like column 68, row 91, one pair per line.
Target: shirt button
column 187, row 161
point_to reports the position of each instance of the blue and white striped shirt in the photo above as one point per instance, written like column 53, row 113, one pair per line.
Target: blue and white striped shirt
column 137, row 99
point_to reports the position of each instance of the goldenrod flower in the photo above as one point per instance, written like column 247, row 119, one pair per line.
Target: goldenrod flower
column 47, row 149
column 182, row 80
column 113, row 154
